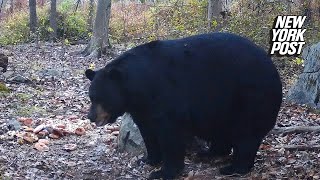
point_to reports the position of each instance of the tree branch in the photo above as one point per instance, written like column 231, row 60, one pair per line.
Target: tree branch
column 295, row 129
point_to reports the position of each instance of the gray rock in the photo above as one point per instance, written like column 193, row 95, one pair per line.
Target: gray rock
column 306, row 90
column 130, row 139
column 49, row 73
column 8, row 74
column 14, row 124
column 19, row 79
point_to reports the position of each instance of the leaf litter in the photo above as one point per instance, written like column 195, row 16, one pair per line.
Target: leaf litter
column 44, row 132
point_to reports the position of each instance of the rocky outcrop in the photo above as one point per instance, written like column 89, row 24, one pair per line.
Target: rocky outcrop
column 306, row 90
column 130, row 139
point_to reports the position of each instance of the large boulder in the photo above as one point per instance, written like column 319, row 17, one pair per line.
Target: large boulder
column 130, row 139
column 306, row 90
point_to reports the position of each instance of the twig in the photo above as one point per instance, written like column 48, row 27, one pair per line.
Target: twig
column 300, row 147
column 296, row 129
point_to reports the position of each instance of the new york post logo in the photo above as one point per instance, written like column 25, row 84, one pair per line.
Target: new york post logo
column 287, row 36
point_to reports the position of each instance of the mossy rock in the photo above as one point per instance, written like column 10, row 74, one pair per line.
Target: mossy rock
column 3, row 88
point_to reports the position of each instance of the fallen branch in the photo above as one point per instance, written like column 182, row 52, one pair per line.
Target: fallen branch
column 295, row 129
column 300, row 147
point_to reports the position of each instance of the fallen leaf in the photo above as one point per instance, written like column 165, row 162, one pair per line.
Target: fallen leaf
column 26, row 121
column 39, row 128
column 44, row 141
column 80, row 131
column 69, row 147
column 54, row 136
column 41, row 146
column 30, row 137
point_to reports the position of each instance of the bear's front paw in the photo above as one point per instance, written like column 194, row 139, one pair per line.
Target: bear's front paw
column 234, row 170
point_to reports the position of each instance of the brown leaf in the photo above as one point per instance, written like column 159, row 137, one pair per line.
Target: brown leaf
column 41, row 146
column 80, row 131
column 26, row 121
column 30, row 137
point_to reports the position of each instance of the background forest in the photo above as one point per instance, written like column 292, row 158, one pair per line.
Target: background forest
column 45, row 46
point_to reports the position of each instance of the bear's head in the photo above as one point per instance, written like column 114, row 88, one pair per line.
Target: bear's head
column 106, row 95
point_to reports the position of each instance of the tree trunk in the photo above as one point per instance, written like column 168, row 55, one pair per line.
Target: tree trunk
column 91, row 11
column 77, row 5
column 218, row 9
column 53, row 20
column 33, row 16
column 11, row 6
column 99, row 40
column 1, row 4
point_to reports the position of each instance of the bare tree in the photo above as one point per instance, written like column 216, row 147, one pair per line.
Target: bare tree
column 217, row 9
column 33, row 15
column 77, row 5
column 53, row 19
column 91, row 11
column 1, row 4
column 99, row 41
column 11, row 6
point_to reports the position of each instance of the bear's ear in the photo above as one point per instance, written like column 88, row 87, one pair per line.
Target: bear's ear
column 90, row 74
column 116, row 74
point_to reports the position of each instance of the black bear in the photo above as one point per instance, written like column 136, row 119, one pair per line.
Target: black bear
column 219, row 87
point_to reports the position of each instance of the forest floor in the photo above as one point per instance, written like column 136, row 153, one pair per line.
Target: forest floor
column 48, row 95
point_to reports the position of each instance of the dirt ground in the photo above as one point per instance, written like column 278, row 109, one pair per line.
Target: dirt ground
column 48, row 99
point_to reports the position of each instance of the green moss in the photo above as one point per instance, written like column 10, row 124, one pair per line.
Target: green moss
column 3, row 88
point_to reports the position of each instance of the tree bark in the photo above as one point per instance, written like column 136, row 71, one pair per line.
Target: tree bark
column 77, row 5
column 91, row 11
column 99, row 40
column 11, row 6
column 33, row 16
column 1, row 4
column 53, row 20
column 218, row 9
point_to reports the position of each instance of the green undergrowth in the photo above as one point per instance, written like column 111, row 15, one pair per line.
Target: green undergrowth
column 133, row 23
column 3, row 88
column 72, row 25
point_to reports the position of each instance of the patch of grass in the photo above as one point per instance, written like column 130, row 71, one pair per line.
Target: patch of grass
column 27, row 111
column 3, row 88
column 23, row 96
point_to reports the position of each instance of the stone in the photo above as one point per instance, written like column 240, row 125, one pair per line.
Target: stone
column 19, row 79
column 8, row 74
column 14, row 124
column 130, row 139
column 306, row 89
column 49, row 73
column 70, row 147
